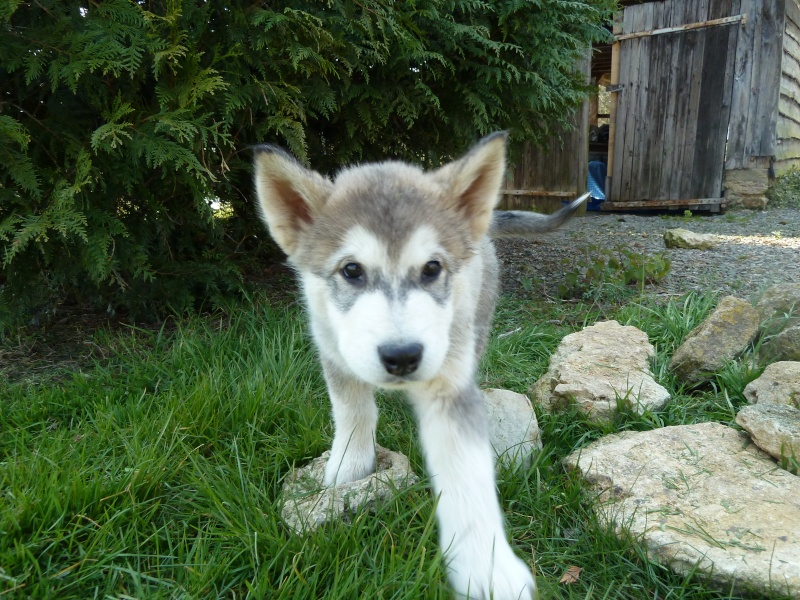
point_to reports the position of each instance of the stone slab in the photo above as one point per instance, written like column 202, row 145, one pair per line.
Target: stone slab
column 598, row 367
column 513, row 428
column 308, row 504
column 701, row 497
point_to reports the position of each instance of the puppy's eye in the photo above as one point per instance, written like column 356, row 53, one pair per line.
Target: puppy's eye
column 431, row 271
column 353, row 272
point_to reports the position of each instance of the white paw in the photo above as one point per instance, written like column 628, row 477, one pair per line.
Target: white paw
column 512, row 579
column 505, row 577
column 350, row 467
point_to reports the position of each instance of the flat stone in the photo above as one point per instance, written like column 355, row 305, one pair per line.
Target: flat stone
column 775, row 428
column 746, row 188
column 779, row 307
column 513, row 428
column 308, row 504
column 683, row 238
column 720, row 338
column 700, row 497
column 778, row 384
column 598, row 367
column 783, row 347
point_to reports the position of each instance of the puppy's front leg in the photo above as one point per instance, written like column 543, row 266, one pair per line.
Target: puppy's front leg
column 355, row 417
column 460, row 461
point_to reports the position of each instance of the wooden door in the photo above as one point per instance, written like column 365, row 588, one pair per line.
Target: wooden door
column 673, row 100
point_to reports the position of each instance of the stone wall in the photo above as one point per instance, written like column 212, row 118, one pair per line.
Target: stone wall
column 747, row 188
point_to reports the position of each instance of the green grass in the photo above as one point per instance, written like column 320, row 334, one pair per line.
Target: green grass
column 785, row 192
column 156, row 471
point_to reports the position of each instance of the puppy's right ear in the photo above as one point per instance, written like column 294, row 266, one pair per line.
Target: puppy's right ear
column 289, row 195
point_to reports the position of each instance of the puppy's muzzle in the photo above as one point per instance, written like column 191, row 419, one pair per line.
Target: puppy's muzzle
column 400, row 359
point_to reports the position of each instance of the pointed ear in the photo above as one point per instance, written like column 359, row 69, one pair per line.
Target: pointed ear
column 473, row 182
column 289, row 195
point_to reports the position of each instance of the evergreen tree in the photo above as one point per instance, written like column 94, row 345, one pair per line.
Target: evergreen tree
column 120, row 120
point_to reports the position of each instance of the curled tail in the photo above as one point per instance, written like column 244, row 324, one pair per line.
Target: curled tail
column 522, row 223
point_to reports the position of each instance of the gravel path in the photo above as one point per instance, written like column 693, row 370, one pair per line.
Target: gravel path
column 757, row 250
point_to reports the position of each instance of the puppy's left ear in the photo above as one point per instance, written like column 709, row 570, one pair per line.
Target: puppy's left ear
column 473, row 182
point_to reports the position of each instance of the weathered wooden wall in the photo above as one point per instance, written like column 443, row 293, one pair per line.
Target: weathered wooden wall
column 754, row 107
column 559, row 168
column 787, row 149
column 673, row 102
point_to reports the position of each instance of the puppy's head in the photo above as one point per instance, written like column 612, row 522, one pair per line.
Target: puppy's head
column 383, row 252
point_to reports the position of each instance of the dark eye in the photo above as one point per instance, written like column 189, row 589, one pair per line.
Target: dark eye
column 353, row 272
column 431, row 271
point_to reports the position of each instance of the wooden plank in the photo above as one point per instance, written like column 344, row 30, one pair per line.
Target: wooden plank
column 612, row 120
column 564, row 194
column 712, row 118
column 791, row 44
column 641, row 18
column 741, row 96
column 790, row 88
column 688, row 27
column 628, row 80
column 686, row 89
column 623, row 112
column 785, row 150
column 772, row 23
column 793, row 11
column 787, row 129
column 672, row 60
column 789, row 107
column 718, row 9
column 687, row 166
column 711, row 204
column 792, row 26
column 789, row 94
column 787, row 165
column 580, row 162
column 613, row 110
column 790, row 67
column 544, row 205
column 657, row 96
column 641, row 142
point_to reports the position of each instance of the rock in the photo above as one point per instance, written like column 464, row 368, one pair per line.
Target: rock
column 779, row 307
column 747, row 188
column 598, row 366
column 513, row 428
column 701, row 497
column 683, row 238
column 720, row 338
column 308, row 504
column 783, row 347
column 778, row 384
column 775, row 428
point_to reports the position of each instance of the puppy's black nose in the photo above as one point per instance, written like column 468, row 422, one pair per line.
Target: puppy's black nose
column 400, row 359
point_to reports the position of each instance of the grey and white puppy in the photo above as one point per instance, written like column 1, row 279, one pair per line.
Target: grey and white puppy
column 400, row 280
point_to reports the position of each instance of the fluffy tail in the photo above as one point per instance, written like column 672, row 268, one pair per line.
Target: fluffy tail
column 522, row 223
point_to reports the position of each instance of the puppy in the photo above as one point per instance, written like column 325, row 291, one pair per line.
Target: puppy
column 400, row 281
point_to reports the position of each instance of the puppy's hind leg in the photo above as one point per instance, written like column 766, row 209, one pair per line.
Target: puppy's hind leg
column 355, row 417
column 460, row 462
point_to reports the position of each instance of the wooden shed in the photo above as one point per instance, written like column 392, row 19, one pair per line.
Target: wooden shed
column 704, row 111
column 705, row 92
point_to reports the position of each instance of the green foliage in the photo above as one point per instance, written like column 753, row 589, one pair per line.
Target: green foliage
column 785, row 192
column 602, row 267
column 121, row 120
